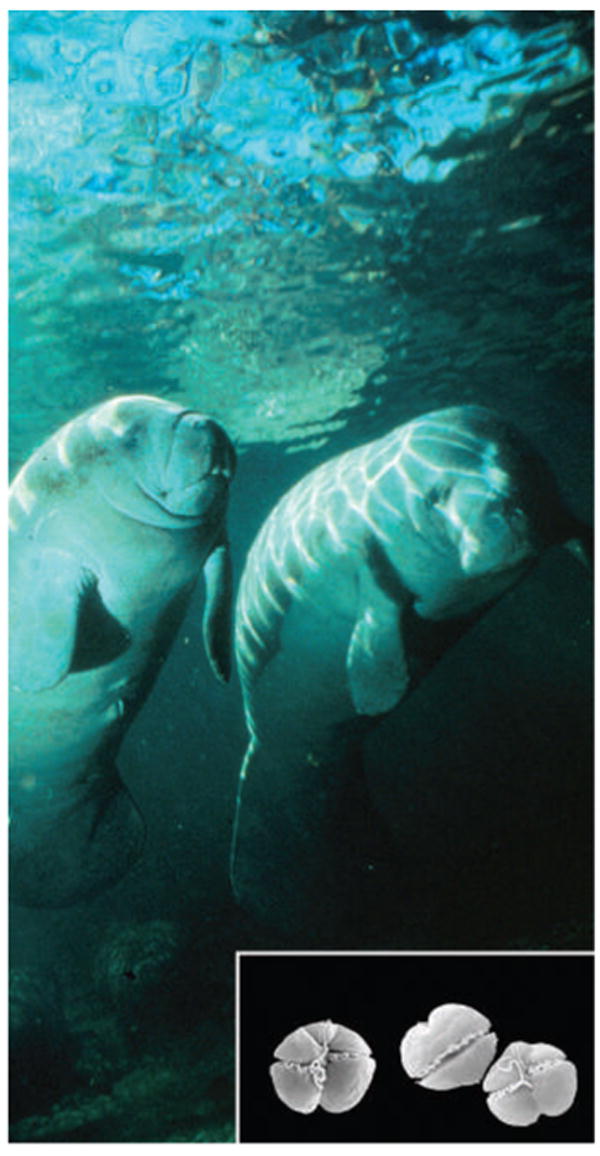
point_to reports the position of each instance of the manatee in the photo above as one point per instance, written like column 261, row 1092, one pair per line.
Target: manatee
column 111, row 522
column 360, row 578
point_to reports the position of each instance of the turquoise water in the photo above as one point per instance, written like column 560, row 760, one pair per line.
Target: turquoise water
column 239, row 208
column 312, row 225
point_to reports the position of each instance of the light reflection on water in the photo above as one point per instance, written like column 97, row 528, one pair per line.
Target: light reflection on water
column 313, row 225
column 252, row 211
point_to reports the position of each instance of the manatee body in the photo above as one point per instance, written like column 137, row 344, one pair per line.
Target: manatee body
column 111, row 522
column 354, row 585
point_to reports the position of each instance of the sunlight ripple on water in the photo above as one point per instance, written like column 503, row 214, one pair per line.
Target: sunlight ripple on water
column 203, row 203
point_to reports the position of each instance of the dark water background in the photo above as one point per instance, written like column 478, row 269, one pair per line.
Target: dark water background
column 314, row 226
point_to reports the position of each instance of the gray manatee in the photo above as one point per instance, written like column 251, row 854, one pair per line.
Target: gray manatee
column 353, row 586
column 111, row 522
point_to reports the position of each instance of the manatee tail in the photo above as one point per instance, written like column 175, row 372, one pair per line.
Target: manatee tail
column 75, row 853
column 293, row 853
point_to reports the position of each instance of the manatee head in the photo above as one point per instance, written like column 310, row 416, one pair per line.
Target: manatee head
column 476, row 490
column 154, row 461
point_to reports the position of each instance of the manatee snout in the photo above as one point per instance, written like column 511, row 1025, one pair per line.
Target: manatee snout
column 200, row 464
column 497, row 534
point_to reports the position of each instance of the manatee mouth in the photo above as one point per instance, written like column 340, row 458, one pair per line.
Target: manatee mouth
column 162, row 498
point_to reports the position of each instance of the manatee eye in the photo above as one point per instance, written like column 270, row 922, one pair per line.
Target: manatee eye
column 132, row 438
column 437, row 495
column 505, row 507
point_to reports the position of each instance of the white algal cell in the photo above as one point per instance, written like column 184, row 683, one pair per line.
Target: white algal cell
column 529, row 1081
column 451, row 1050
column 322, row 1065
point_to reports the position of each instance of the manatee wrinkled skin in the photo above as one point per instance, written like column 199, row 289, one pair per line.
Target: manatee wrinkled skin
column 353, row 586
column 112, row 520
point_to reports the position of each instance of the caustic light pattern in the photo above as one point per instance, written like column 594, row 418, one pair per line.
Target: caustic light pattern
column 452, row 1049
column 529, row 1081
column 322, row 1064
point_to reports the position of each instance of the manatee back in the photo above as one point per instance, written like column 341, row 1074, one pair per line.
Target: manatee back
column 54, row 474
column 305, row 555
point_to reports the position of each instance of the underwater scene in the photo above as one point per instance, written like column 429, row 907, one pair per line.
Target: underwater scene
column 301, row 452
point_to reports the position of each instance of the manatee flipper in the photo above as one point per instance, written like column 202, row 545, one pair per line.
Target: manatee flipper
column 376, row 662
column 100, row 637
column 46, row 593
column 218, row 609
column 93, row 846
